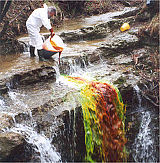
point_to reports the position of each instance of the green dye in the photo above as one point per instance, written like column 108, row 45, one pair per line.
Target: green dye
column 103, row 114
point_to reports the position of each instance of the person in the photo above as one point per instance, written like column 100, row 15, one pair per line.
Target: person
column 39, row 17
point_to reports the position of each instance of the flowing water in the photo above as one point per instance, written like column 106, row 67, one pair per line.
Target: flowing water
column 45, row 151
column 18, row 100
column 144, row 150
column 144, row 146
column 41, row 144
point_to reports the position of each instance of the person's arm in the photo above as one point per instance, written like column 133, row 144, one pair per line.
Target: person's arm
column 52, row 33
column 46, row 22
column 44, row 18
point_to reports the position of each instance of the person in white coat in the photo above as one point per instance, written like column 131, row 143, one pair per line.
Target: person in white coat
column 39, row 17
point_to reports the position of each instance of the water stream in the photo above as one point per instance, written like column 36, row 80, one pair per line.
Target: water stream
column 44, row 151
column 144, row 146
column 144, row 142
column 40, row 142
column 19, row 100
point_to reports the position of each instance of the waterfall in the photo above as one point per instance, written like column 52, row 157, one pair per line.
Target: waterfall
column 2, row 103
column 15, row 98
column 40, row 143
column 73, row 66
column 137, row 90
column 57, row 70
column 77, row 68
column 103, row 115
column 144, row 146
column 144, row 142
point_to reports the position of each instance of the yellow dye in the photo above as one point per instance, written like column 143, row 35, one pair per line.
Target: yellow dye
column 103, row 115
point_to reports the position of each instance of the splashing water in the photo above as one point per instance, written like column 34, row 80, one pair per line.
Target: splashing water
column 42, row 144
column 15, row 97
column 57, row 70
column 2, row 103
column 136, row 88
column 143, row 148
column 144, row 143
column 103, row 114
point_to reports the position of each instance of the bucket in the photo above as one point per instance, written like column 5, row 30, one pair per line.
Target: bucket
column 52, row 46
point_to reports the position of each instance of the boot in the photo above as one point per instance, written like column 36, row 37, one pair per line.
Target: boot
column 32, row 49
column 40, row 54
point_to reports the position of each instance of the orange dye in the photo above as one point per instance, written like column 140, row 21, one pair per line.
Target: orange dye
column 103, row 114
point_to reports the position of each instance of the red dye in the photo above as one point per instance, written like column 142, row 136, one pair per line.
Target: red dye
column 110, row 114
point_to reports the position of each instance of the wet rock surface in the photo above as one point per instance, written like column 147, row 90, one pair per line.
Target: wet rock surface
column 69, row 138
column 27, row 77
column 54, row 108
column 10, row 143
column 120, row 43
column 6, row 121
column 101, row 30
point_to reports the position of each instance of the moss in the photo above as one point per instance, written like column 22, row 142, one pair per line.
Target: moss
column 120, row 80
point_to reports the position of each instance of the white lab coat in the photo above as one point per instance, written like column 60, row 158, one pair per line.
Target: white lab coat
column 38, row 18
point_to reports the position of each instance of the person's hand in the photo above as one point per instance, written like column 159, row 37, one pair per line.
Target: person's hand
column 52, row 33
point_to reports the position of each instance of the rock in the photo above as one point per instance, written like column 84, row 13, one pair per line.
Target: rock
column 86, row 33
column 6, row 121
column 118, row 44
column 94, row 56
column 101, row 30
column 27, row 77
column 3, row 87
column 10, row 143
column 69, row 138
column 33, row 76
column 10, row 46
column 128, row 11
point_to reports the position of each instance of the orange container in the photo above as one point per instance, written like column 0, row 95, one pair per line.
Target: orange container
column 54, row 44
column 125, row 27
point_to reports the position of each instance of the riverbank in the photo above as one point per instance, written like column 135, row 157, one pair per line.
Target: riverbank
column 19, row 11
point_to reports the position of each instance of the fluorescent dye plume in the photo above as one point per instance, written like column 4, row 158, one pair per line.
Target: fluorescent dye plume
column 103, row 115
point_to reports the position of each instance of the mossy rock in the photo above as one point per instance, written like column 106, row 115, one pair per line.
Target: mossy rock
column 121, row 80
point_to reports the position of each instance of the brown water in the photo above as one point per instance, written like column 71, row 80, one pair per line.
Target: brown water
column 17, row 63
column 35, row 95
column 14, row 63
column 31, row 96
